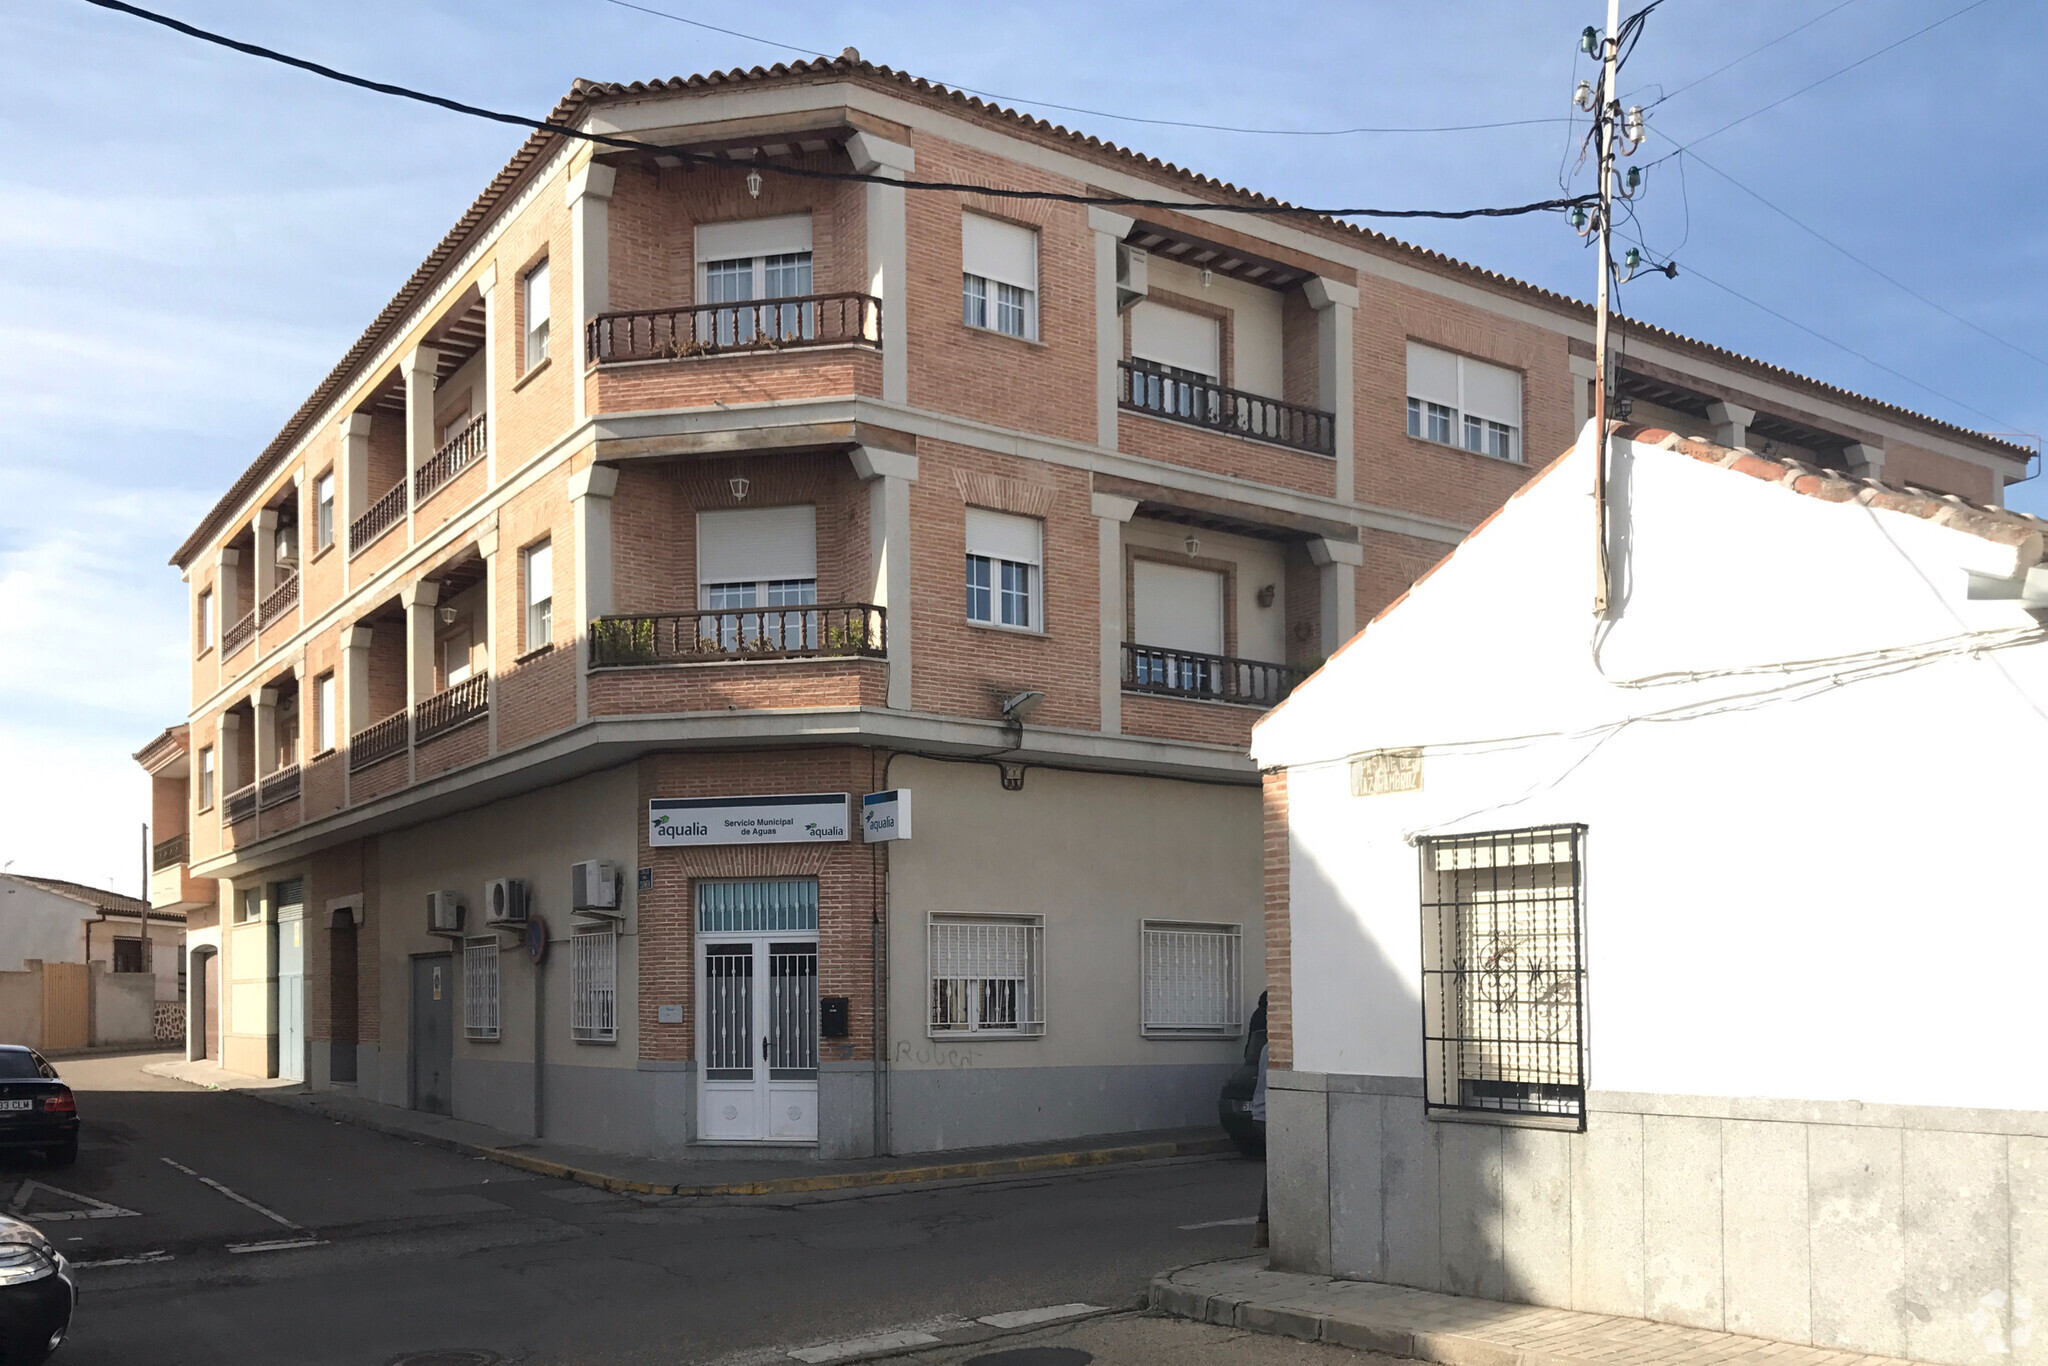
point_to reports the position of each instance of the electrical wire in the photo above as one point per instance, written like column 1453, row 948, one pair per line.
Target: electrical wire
column 813, row 173
column 1755, row 51
column 1103, row 113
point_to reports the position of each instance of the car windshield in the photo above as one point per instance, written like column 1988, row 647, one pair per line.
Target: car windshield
column 16, row 1066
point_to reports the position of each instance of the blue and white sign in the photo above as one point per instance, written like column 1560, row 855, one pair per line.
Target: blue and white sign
column 816, row 818
column 885, row 815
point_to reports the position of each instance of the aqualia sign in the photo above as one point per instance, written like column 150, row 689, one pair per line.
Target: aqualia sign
column 816, row 818
column 885, row 815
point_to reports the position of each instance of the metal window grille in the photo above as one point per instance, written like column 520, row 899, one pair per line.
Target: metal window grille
column 480, row 988
column 1503, row 973
column 987, row 976
column 792, row 1012
column 594, row 982
column 1191, row 979
column 759, row 906
column 729, row 1012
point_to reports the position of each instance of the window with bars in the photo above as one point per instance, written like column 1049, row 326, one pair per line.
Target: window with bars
column 1503, row 975
column 987, row 975
column 1191, row 979
column 594, row 986
column 480, row 988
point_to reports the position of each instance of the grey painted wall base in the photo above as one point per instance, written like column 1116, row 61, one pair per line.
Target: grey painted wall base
column 1803, row 1222
column 846, row 1110
column 977, row 1107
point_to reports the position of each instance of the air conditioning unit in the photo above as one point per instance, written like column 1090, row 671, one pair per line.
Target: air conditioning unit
column 505, row 901
column 444, row 912
column 1131, row 272
column 594, row 886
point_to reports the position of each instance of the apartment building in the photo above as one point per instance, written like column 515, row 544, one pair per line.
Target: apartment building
column 554, row 667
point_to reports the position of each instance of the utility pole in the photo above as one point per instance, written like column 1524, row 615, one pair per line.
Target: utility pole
column 1610, row 62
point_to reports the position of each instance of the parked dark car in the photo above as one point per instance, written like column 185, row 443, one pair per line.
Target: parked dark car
column 1234, row 1106
column 36, row 1294
column 36, row 1107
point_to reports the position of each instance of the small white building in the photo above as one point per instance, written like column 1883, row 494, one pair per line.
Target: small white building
column 56, row 921
column 1685, row 964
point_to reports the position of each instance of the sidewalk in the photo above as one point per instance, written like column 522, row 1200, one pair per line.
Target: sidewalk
column 709, row 1176
column 1453, row 1329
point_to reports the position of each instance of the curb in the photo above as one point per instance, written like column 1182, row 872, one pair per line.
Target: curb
column 984, row 1169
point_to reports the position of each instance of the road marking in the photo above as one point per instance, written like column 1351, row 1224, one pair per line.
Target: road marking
column 853, row 1347
column 270, row 1214
column 276, row 1245
column 92, row 1209
column 1245, row 1222
column 139, row 1259
column 1052, row 1313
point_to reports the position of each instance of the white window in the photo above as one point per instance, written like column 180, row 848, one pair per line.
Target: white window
column 480, row 988
column 1178, row 341
column 987, row 975
column 1459, row 401
column 323, row 706
column 323, row 510
column 739, row 264
column 1191, row 979
column 1004, row 555
column 539, row 574
column 536, row 304
column 206, row 778
column 205, row 622
column 999, row 276
column 594, row 986
column 1503, row 978
column 758, row 558
column 1177, row 629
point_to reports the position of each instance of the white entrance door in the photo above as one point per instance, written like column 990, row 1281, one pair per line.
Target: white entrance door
column 758, row 1055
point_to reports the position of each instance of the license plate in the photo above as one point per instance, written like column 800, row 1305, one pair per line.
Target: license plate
column 17, row 1105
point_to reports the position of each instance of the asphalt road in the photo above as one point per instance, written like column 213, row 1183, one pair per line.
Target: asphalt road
column 185, row 1205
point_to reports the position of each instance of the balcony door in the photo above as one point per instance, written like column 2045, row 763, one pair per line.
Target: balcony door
column 751, row 562
column 741, row 263
column 1178, row 614
column 757, row 1015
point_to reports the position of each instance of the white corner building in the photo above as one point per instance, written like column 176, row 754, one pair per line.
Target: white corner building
column 1685, row 963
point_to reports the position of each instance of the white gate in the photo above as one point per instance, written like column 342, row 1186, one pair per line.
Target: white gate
column 757, row 1026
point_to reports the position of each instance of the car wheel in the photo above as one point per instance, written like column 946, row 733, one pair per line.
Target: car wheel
column 65, row 1154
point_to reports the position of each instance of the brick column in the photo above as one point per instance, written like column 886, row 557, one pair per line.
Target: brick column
column 421, row 368
column 1337, row 570
column 1110, row 230
column 227, row 605
column 589, row 194
column 354, row 689
column 1336, row 306
column 1731, row 422
column 1111, row 512
column 1866, row 461
column 590, row 500
column 266, row 556
column 227, row 764
column 352, row 482
column 889, row 475
column 888, row 252
column 418, row 600
column 487, row 547
column 263, row 702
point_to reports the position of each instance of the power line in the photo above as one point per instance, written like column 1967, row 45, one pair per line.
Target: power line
column 1106, row 114
column 1701, row 80
column 813, row 173
column 1696, row 273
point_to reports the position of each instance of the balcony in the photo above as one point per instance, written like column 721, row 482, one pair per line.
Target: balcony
column 734, row 328
column 238, row 635
column 1207, row 678
column 171, row 852
column 452, row 708
column 384, row 514
column 240, row 805
column 278, row 601
column 812, row 631
column 382, row 741
column 457, row 454
column 1156, row 392
column 280, row 787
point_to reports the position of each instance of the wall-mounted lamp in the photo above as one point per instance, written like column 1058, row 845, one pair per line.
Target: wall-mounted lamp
column 739, row 486
column 447, row 616
column 1194, row 546
column 754, row 184
column 1205, row 277
column 1266, row 596
column 1017, row 706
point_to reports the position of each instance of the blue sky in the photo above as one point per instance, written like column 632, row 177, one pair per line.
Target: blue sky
column 194, row 237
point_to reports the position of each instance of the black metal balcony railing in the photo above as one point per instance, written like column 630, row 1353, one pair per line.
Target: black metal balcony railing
column 240, row 804
column 452, row 707
column 238, row 635
column 279, row 600
column 1211, row 678
column 812, row 630
column 755, row 325
column 1148, row 388
column 280, row 787
column 379, row 742
column 169, row 853
column 457, row 454
column 384, row 514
